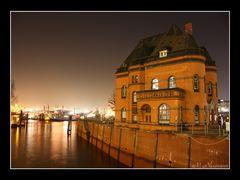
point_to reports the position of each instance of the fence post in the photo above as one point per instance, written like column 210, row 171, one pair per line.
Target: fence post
column 189, row 151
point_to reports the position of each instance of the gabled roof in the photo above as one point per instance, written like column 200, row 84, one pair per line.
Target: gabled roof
column 174, row 40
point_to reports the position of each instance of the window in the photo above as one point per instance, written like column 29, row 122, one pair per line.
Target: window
column 155, row 84
column 134, row 118
column 171, row 82
column 195, row 83
column 134, row 97
column 136, row 79
column 124, row 92
column 163, row 53
column 123, row 114
column 164, row 114
column 196, row 114
column 209, row 89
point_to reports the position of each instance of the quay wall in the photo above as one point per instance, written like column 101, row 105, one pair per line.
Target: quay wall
column 154, row 149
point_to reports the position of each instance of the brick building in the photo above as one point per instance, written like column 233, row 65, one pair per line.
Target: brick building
column 166, row 81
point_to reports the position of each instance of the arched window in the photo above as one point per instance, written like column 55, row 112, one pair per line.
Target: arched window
column 124, row 91
column 196, row 114
column 195, row 83
column 136, row 79
column 134, row 97
column 171, row 82
column 164, row 114
column 210, row 89
column 155, row 84
column 123, row 114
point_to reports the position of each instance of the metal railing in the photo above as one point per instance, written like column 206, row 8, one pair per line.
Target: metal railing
column 206, row 130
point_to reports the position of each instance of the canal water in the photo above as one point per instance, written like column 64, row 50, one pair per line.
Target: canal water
column 46, row 144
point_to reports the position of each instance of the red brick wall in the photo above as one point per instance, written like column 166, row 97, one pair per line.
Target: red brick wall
column 172, row 148
column 209, row 152
column 154, row 149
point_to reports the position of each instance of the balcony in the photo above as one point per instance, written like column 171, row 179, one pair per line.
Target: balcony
column 161, row 93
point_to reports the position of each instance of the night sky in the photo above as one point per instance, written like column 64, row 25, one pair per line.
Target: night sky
column 69, row 58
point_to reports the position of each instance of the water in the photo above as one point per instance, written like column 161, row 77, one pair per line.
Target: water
column 46, row 145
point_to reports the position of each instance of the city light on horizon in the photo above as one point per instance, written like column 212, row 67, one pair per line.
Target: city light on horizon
column 68, row 59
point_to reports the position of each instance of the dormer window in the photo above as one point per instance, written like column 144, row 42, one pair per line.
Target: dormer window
column 163, row 53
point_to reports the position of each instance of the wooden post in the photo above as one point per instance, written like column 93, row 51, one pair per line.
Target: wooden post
column 134, row 145
column 110, row 141
column 20, row 118
column 27, row 119
column 97, row 135
column 69, row 125
column 93, row 131
column 81, row 131
column 189, row 151
column 103, row 136
column 119, row 143
column 156, row 152
column 219, row 130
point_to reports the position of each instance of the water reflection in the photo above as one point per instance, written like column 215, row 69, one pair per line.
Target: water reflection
column 47, row 145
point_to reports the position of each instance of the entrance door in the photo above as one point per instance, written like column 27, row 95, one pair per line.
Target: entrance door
column 146, row 113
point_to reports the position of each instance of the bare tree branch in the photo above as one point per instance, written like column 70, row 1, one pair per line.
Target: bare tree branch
column 112, row 100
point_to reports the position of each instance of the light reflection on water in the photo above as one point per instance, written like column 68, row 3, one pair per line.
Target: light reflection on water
column 47, row 145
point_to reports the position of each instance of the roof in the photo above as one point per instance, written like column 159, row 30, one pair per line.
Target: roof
column 174, row 40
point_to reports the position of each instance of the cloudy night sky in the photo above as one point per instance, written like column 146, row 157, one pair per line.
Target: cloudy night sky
column 69, row 58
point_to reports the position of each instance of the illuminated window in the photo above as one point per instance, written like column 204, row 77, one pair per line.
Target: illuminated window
column 134, row 96
column 171, row 82
column 123, row 114
column 210, row 89
column 124, row 92
column 134, row 118
column 164, row 114
column 136, row 78
column 195, row 83
column 196, row 114
column 163, row 53
column 155, row 84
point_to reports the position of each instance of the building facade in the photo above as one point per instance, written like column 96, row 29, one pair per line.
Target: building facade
column 166, row 81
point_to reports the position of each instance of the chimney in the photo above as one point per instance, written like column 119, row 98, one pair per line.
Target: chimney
column 188, row 27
